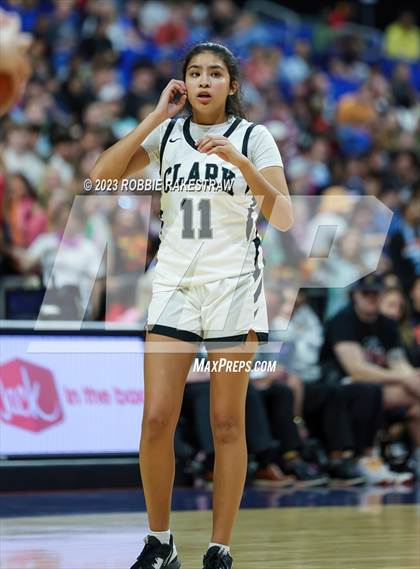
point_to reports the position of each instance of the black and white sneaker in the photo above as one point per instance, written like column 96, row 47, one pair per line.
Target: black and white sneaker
column 157, row 555
column 217, row 558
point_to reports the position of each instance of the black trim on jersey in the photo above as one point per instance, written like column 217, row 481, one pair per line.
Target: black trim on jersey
column 184, row 335
column 257, row 243
column 249, row 220
column 161, row 222
column 245, row 144
column 258, row 291
column 246, row 139
column 191, row 141
column 232, row 127
column 167, row 134
column 257, row 272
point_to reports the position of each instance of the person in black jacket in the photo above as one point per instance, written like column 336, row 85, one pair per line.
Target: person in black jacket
column 362, row 345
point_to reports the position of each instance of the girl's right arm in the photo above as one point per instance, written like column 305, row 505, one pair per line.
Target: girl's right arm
column 127, row 157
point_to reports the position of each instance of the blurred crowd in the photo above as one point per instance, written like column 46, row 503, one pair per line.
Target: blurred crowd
column 343, row 108
column 341, row 101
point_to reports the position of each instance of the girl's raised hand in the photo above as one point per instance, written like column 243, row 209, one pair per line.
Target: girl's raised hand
column 220, row 145
column 172, row 99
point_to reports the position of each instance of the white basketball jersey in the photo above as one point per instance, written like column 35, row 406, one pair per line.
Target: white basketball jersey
column 208, row 212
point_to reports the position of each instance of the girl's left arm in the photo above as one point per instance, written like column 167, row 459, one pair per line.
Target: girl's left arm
column 270, row 189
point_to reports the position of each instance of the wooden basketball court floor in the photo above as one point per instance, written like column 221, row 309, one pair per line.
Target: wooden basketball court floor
column 370, row 535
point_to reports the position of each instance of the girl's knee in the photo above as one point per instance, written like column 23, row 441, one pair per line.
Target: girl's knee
column 227, row 428
column 157, row 423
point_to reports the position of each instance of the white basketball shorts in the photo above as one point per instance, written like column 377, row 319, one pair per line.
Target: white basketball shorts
column 217, row 312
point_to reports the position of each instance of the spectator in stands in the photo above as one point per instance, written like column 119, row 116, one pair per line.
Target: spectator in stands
column 402, row 89
column 270, row 416
column 20, row 156
column 404, row 245
column 342, row 267
column 394, row 305
column 334, row 209
column 346, row 418
column 129, row 253
column 25, row 218
column 340, row 14
column 325, row 413
column 415, row 312
column 223, row 15
column 363, row 346
column 174, row 31
column 69, row 262
column 356, row 118
column 142, row 88
column 402, row 38
column 63, row 156
column 406, row 171
column 295, row 68
column 261, row 67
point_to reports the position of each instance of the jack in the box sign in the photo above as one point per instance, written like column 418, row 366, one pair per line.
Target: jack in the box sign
column 28, row 396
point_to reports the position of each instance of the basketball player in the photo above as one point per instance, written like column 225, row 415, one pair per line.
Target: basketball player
column 208, row 285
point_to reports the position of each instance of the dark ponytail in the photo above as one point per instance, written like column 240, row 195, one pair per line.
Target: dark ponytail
column 234, row 105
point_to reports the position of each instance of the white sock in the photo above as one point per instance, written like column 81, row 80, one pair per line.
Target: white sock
column 162, row 536
column 220, row 546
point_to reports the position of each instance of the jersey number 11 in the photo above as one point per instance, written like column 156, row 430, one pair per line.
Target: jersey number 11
column 204, row 231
